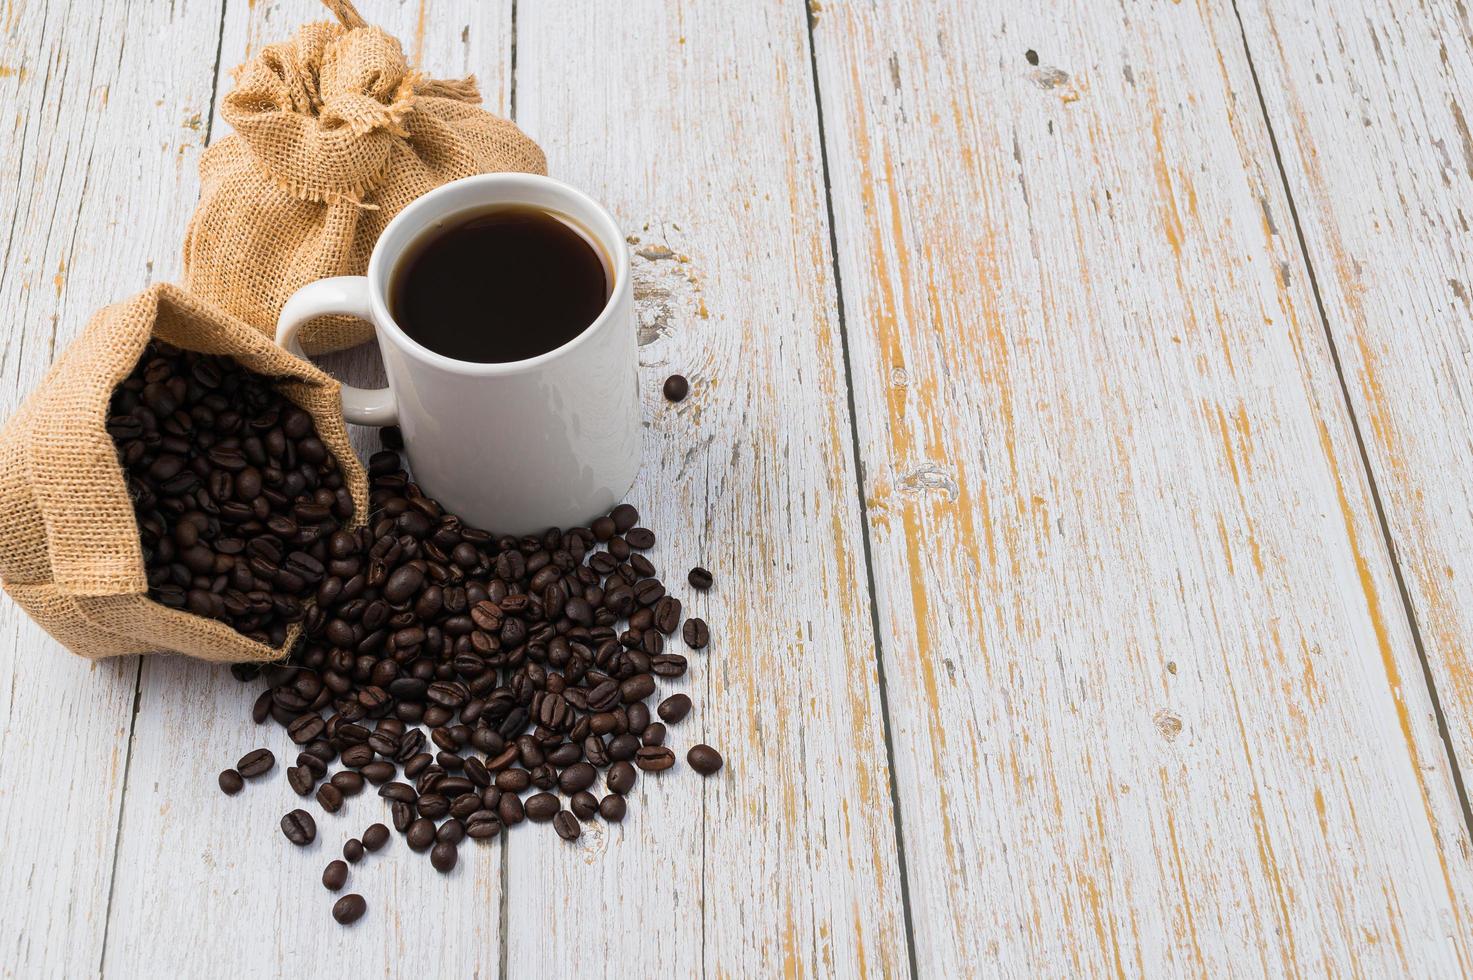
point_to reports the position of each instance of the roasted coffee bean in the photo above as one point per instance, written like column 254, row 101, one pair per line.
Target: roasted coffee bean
column 703, row 759
column 576, row 778
column 403, row 583
column 417, row 764
column 699, row 578
column 256, row 762
column 421, row 834
column 676, row 387
column 261, row 710
column 695, row 633
column 623, row 747
column 301, row 779
column 376, row 836
column 674, row 708
column 402, row 815
column 640, row 537
column 299, row 827
column 583, row 804
column 510, row 809
column 306, row 728
column 541, row 807
column 654, row 734
column 433, row 805
column 475, row 771
column 654, row 758
column 612, row 808
column 398, row 792
column 329, row 797
column 637, row 715
column 349, row 909
column 230, row 782
column 379, row 772
column 667, row 614
column 567, row 826
column 624, row 517
column 621, row 777
column 636, row 688
column 357, row 756
column 347, row 783
column 482, row 824
column 335, row 875
column 443, row 857
column 452, row 831
column 353, row 850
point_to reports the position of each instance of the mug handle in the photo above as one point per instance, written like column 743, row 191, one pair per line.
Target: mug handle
column 339, row 295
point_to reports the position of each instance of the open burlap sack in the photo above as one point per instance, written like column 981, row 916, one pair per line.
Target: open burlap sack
column 334, row 135
column 69, row 547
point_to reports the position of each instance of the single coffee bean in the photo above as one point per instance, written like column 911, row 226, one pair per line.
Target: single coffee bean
column 674, row 708
column 402, row 815
column 230, row 782
column 443, row 856
column 398, row 792
column 695, row 633
column 641, row 538
column 335, row 875
column 452, row 831
column 676, row 387
column 699, row 578
column 576, row 778
column 667, row 614
column 637, row 688
column 347, row 783
column 623, row 747
column 261, row 710
column 638, row 716
column 353, row 850
column 299, row 827
column 703, row 759
column 510, row 809
column 482, row 824
column 357, row 756
column 541, row 807
column 349, row 909
column 621, row 777
column 329, row 797
column 567, row 826
column 624, row 517
column 301, row 779
column 379, row 772
column 612, row 808
column 583, row 804
column 376, row 836
column 256, row 762
column 421, row 834
column 654, row 758
column 654, row 734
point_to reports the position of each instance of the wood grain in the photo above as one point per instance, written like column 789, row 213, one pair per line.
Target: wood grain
column 101, row 131
column 1370, row 104
column 1156, row 705
column 214, row 874
column 695, row 124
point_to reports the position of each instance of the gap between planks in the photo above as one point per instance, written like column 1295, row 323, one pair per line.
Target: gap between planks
column 1355, row 427
column 865, row 529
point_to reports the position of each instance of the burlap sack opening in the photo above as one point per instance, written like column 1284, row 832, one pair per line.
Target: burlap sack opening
column 334, row 135
column 69, row 549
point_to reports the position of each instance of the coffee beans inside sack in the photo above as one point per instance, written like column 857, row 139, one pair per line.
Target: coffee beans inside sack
column 73, row 552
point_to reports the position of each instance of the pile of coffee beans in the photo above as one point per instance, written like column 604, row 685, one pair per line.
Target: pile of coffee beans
column 476, row 680
column 236, row 497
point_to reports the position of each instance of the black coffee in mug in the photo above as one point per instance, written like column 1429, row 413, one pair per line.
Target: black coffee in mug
column 500, row 284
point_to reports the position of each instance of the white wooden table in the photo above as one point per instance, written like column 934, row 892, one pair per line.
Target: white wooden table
column 1080, row 433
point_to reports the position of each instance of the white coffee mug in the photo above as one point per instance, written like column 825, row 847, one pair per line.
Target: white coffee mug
column 517, row 447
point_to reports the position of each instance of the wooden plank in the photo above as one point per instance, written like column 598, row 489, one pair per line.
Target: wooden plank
column 1367, row 101
column 695, row 123
column 196, row 866
column 1156, row 706
column 102, row 129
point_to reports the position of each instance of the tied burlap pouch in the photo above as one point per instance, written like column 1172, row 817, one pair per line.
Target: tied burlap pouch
column 334, row 135
column 70, row 554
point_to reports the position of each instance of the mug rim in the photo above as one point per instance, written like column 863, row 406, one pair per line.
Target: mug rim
column 378, row 276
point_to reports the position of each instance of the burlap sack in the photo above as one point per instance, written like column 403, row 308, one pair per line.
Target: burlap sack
column 69, row 549
column 334, row 135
